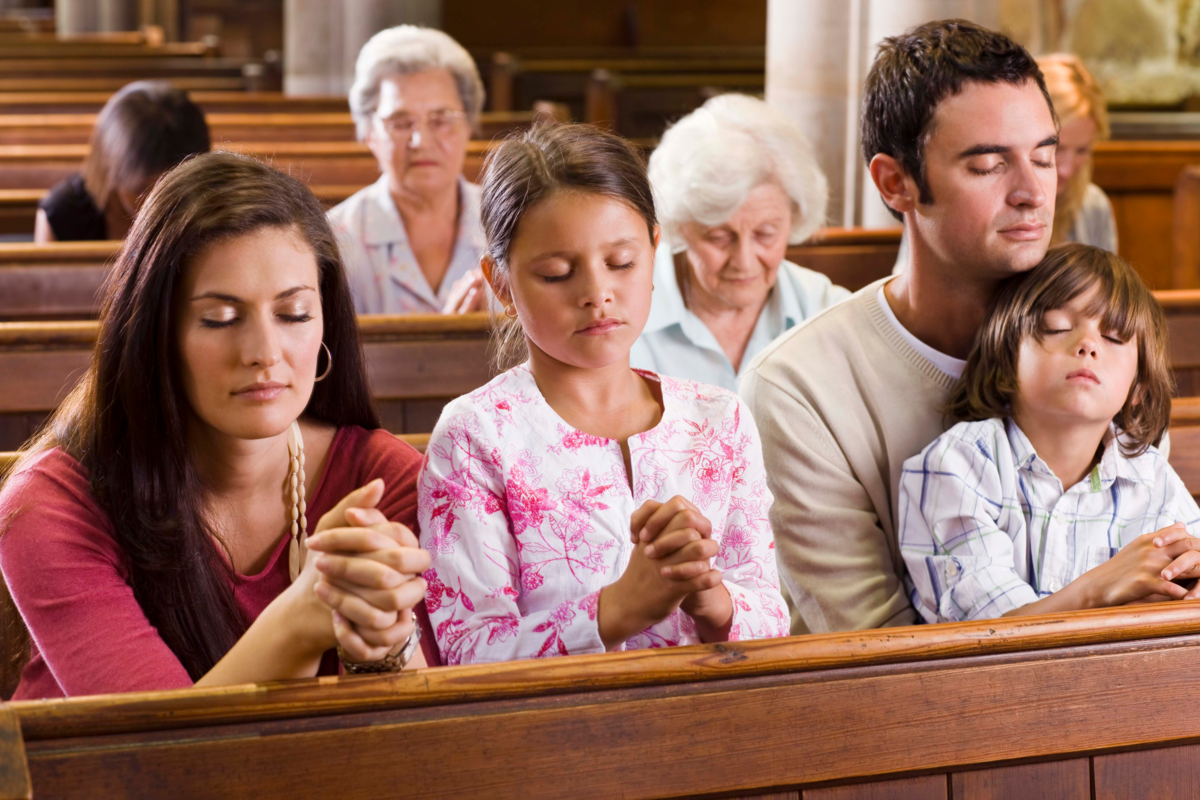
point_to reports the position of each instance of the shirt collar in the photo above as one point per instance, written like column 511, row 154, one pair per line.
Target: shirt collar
column 1111, row 467
column 382, row 223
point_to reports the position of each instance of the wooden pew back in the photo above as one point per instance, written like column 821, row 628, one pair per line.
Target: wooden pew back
column 415, row 362
column 981, row 708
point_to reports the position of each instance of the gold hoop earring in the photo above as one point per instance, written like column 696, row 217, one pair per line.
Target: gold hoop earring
column 510, row 307
column 328, row 364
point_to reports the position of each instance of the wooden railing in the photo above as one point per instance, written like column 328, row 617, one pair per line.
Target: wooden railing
column 1079, row 704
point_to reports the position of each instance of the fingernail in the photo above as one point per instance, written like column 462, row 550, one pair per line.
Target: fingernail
column 649, row 551
column 1158, row 542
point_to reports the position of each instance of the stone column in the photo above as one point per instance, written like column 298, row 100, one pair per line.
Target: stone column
column 118, row 15
column 818, row 54
column 75, row 16
column 322, row 38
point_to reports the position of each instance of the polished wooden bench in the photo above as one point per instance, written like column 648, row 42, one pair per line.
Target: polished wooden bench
column 516, row 80
column 245, row 126
column 643, row 104
column 345, row 163
column 851, row 257
column 62, row 280
column 1074, row 705
column 416, row 363
column 212, row 102
column 1140, row 178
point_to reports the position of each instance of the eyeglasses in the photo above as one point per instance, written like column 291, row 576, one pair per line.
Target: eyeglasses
column 440, row 122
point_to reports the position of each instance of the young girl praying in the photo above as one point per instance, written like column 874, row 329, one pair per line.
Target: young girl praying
column 1051, row 495
column 574, row 505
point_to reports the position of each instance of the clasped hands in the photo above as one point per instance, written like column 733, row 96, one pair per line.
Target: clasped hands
column 368, row 574
column 669, row 568
column 1144, row 571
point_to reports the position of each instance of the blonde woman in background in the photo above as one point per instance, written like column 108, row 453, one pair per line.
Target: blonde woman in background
column 1083, row 212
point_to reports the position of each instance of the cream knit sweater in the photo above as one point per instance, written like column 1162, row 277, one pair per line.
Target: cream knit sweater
column 841, row 402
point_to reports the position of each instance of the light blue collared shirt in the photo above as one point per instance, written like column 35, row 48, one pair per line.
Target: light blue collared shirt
column 380, row 265
column 676, row 342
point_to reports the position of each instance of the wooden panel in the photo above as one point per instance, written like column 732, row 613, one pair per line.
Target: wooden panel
column 1163, row 774
column 46, row 377
column 974, row 711
column 14, row 772
column 927, row 787
column 923, row 644
column 1054, row 780
column 772, row 796
column 1144, row 229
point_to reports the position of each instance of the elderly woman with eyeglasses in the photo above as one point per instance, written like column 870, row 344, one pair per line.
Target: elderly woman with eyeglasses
column 735, row 183
column 412, row 240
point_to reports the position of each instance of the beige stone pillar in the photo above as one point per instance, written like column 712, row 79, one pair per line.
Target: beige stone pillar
column 818, row 54
column 322, row 38
column 118, row 15
column 75, row 16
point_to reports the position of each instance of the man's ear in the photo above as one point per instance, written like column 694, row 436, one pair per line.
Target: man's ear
column 492, row 274
column 895, row 187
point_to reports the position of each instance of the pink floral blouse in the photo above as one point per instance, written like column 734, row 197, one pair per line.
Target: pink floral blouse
column 527, row 518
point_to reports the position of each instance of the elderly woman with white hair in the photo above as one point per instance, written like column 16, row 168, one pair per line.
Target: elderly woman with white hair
column 412, row 240
column 736, row 182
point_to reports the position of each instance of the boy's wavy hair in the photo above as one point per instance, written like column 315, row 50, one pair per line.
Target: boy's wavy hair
column 1125, row 306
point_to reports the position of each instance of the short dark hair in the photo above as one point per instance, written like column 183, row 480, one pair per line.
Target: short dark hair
column 143, row 130
column 529, row 167
column 915, row 71
column 1125, row 305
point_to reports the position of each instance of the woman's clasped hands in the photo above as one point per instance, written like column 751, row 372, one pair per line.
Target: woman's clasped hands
column 368, row 574
column 670, row 568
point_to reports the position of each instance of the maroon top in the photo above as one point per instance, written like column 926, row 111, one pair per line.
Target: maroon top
column 69, row 578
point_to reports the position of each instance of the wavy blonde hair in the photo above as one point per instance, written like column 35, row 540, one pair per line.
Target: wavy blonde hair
column 1075, row 95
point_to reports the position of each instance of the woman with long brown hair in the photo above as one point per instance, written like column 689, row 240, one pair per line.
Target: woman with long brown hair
column 154, row 535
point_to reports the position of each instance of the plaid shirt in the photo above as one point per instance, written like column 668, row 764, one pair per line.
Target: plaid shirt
column 985, row 526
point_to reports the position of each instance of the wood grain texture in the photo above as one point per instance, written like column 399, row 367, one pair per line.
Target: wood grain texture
column 15, row 783
column 926, row 787
column 1170, row 773
column 762, row 732
column 1054, row 780
column 919, row 644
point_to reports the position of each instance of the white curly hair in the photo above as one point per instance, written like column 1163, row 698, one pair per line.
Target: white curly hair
column 406, row 49
column 708, row 162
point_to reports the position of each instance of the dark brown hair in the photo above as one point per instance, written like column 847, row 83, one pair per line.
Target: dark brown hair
column 126, row 420
column 915, row 71
column 531, row 166
column 1124, row 305
column 143, row 130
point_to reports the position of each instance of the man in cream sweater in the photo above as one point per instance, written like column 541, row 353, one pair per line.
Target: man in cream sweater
column 960, row 138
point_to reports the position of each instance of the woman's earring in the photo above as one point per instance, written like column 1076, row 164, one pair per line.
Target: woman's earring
column 510, row 308
column 328, row 364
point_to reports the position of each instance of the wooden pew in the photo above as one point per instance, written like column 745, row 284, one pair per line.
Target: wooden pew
column 213, row 102
column 1140, row 178
column 304, row 126
column 851, row 257
column 1082, row 704
column 516, row 80
column 61, row 280
column 345, row 163
column 416, row 363
column 642, row 105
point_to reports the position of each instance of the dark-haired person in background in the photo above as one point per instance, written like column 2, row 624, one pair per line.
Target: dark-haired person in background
column 154, row 535
column 143, row 130
column 960, row 136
